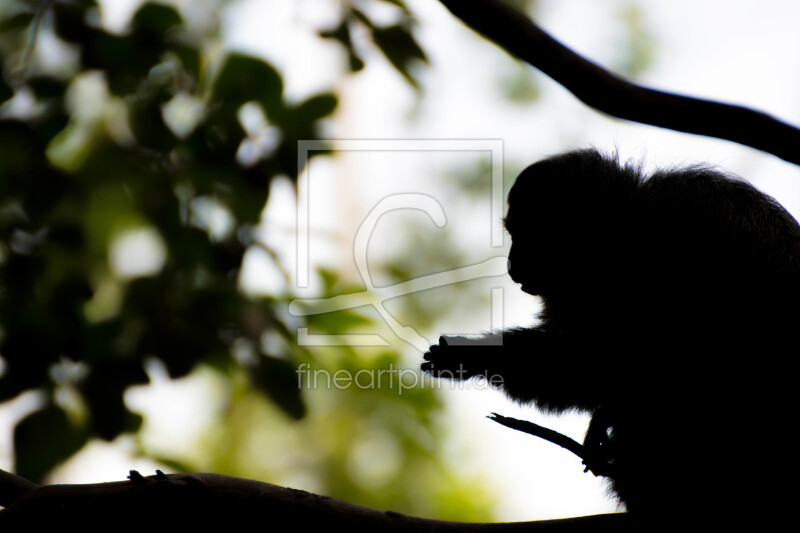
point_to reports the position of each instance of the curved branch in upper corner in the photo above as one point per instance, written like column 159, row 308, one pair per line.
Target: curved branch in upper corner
column 607, row 92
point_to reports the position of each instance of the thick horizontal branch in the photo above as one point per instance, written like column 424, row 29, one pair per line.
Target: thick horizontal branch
column 205, row 501
column 608, row 93
column 13, row 487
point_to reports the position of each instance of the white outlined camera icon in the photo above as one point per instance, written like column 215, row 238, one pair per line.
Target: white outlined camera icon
column 376, row 296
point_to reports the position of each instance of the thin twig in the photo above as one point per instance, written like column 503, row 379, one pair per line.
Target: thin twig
column 540, row 431
column 596, row 465
column 607, row 92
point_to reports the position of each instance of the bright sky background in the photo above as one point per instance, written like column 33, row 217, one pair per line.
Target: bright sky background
column 736, row 51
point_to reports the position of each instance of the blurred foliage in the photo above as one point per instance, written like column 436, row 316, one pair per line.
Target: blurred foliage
column 395, row 40
column 120, row 153
column 92, row 155
column 639, row 47
column 371, row 433
column 519, row 83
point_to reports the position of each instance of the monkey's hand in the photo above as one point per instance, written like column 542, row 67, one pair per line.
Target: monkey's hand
column 457, row 358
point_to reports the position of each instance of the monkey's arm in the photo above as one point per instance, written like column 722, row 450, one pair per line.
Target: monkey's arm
column 529, row 365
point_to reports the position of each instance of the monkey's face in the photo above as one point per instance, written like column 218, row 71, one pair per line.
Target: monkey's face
column 569, row 227
column 536, row 258
column 521, row 273
column 556, row 248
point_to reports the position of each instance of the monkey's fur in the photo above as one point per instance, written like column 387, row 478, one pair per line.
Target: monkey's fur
column 671, row 306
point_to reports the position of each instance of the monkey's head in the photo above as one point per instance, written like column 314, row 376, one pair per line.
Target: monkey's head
column 569, row 218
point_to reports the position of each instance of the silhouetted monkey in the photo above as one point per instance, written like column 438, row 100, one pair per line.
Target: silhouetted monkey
column 671, row 307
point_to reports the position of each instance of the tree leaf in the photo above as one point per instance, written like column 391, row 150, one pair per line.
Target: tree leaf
column 400, row 48
column 147, row 123
column 18, row 21
column 316, row 107
column 34, row 439
column 156, row 19
column 70, row 19
column 5, row 90
column 342, row 34
column 277, row 378
column 244, row 78
column 104, row 390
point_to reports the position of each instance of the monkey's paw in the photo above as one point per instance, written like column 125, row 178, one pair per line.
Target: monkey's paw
column 452, row 358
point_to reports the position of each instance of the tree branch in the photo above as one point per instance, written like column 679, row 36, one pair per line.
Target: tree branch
column 205, row 501
column 540, row 431
column 607, row 92
column 13, row 487
column 594, row 464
